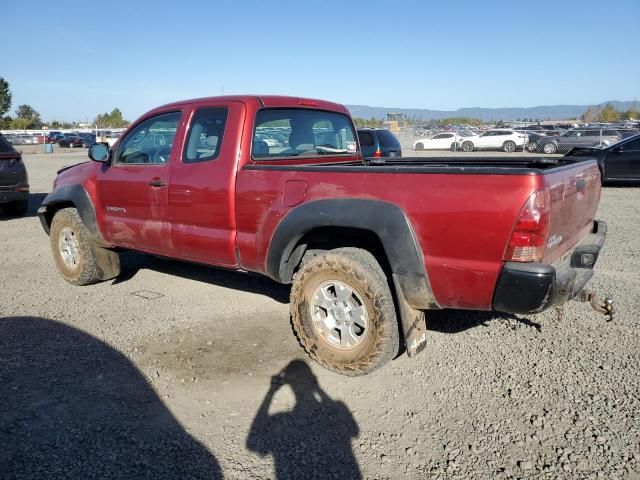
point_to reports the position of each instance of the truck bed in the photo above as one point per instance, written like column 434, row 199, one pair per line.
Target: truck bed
column 463, row 164
column 462, row 210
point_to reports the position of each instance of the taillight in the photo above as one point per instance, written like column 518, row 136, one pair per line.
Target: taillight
column 377, row 153
column 531, row 230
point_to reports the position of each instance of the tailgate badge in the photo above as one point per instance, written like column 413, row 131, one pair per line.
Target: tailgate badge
column 554, row 240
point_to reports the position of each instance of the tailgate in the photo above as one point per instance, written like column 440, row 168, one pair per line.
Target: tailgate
column 10, row 170
column 574, row 192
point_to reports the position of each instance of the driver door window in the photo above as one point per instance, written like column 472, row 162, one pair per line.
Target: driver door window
column 150, row 142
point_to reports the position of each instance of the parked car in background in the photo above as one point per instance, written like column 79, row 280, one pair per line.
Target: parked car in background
column 627, row 132
column 378, row 142
column 578, row 137
column 438, row 141
column 88, row 139
column 14, row 182
column 619, row 162
column 112, row 138
column 70, row 140
column 12, row 138
column 495, row 139
column 54, row 136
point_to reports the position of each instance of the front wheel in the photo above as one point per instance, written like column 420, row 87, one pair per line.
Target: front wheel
column 342, row 312
column 550, row 148
column 418, row 146
column 509, row 147
column 74, row 252
column 467, row 146
column 532, row 147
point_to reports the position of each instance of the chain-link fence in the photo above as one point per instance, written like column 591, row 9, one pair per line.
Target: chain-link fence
column 530, row 139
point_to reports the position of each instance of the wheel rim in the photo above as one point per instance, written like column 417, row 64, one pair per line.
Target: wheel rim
column 69, row 247
column 339, row 315
column 510, row 147
column 532, row 147
column 549, row 148
column 467, row 147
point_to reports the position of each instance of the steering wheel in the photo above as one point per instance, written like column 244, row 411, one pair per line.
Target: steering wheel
column 161, row 155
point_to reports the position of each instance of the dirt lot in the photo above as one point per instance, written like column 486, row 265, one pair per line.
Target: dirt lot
column 179, row 371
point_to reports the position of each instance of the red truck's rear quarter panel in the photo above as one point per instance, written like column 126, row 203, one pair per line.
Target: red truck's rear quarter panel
column 461, row 221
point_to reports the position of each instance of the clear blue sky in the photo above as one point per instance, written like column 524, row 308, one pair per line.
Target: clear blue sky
column 72, row 60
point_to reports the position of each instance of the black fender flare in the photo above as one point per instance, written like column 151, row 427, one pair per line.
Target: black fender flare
column 79, row 198
column 386, row 220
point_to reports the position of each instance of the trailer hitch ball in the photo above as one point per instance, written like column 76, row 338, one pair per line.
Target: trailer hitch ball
column 606, row 307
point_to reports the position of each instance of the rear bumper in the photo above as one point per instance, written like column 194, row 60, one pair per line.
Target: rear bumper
column 10, row 195
column 534, row 287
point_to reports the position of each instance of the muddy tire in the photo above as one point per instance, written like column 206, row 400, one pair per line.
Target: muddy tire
column 342, row 312
column 15, row 209
column 72, row 250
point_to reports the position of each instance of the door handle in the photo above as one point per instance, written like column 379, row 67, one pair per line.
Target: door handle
column 158, row 183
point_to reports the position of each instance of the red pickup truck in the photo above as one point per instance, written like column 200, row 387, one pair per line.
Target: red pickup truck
column 278, row 186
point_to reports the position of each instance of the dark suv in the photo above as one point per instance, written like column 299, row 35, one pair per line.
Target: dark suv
column 378, row 142
column 14, row 183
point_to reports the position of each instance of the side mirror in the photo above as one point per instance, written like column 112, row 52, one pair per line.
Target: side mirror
column 99, row 152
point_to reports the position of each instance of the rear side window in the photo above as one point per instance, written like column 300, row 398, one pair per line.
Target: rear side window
column 5, row 146
column 387, row 139
column 297, row 132
column 366, row 139
column 205, row 135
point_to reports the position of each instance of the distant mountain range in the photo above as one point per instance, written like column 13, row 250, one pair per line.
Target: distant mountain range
column 548, row 112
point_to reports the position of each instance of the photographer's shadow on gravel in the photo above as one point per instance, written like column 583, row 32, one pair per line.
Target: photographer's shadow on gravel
column 132, row 262
column 73, row 407
column 312, row 440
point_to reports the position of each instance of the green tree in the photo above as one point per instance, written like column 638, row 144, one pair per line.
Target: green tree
column 26, row 118
column 111, row 120
column 5, row 97
column 608, row 114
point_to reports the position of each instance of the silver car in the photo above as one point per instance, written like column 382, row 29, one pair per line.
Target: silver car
column 578, row 137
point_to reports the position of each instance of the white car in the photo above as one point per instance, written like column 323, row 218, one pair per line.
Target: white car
column 495, row 139
column 439, row 141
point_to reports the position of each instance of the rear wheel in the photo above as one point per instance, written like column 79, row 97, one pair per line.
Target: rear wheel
column 418, row 146
column 467, row 146
column 15, row 209
column 549, row 148
column 342, row 312
column 73, row 250
column 509, row 146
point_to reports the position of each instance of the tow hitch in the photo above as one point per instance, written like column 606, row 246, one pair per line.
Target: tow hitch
column 605, row 308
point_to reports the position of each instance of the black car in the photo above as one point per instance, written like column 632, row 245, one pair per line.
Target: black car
column 88, row 139
column 70, row 140
column 619, row 162
column 378, row 142
column 14, row 182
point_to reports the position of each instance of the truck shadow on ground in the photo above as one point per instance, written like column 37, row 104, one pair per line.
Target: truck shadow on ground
column 456, row 321
column 132, row 262
column 445, row 321
column 311, row 440
column 73, row 407
column 35, row 200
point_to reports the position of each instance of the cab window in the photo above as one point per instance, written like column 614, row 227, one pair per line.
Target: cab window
column 299, row 132
column 150, row 142
column 205, row 135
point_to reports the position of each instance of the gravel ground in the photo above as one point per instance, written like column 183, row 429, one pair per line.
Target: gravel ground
column 180, row 371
